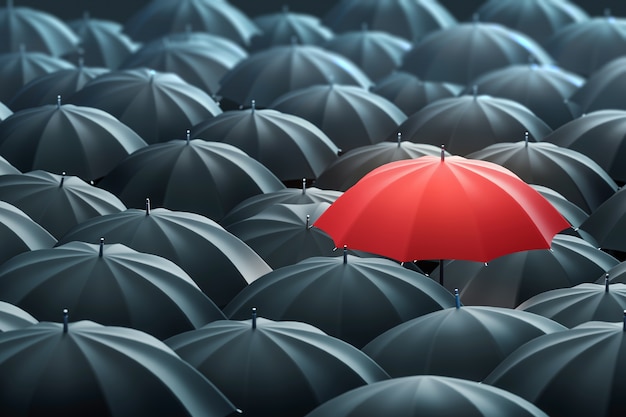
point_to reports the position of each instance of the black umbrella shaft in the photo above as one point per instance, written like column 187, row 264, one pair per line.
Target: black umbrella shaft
column 441, row 271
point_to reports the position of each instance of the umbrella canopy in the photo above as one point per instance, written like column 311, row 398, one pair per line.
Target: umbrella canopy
column 410, row 93
column 19, row 233
column 282, row 28
column 13, row 317
column 35, row 30
column 209, row 178
column 85, row 368
column 275, row 368
column 290, row 146
column 468, row 123
column 221, row 264
column 18, row 68
column 350, row 115
column 363, row 297
column 544, row 90
column 427, row 395
column 446, row 218
column 608, row 222
column 57, row 202
column 583, row 47
column 597, row 135
column 377, row 53
column 463, row 52
column 461, row 342
column 83, row 141
column 574, row 175
column 282, row 234
column 603, row 88
column 539, row 19
column 199, row 60
column 577, row 372
column 109, row 284
column 356, row 163
column 158, row 106
column 509, row 280
column 218, row 17
column 411, row 20
column 4, row 111
column 266, row 75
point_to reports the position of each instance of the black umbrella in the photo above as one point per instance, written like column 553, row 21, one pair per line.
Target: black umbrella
column 162, row 17
column 410, row 93
column 57, row 202
column 221, row 264
column 275, row 368
column 13, row 317
column 80, row 140
column 350, row 115
column 469, row 123
column 603, row 88
column 86, row 369
column 290, row 146
column 266, row 75
column 461, row 342
column 156, row 105
column 282, row 28
column 427, row 395
column 362, row 297
column 209, row 178
column 7, row 168
column 509, row 280
column 19, row 233
column 607, row 223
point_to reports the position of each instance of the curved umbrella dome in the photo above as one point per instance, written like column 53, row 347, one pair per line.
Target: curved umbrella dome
column 607, row 223
column 603, row 88
column 285, row 27
column 13, row 317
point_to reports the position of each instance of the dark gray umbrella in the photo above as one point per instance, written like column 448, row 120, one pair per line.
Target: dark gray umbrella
column 461, row 342
column 509, row 280
column 162, row 17
column 83, row 141
column 607, row 224
column 350, row 115
column 463, row 52
column 266, row 75
column 57, row 202
column 362, row 297
column 410, row 93
column 575, row 373
column 209, row 178
column 221, row 264
column 19, row 233
column 4, row 111
column 427, row 395
column 377, row 53
column 598, row 135
column 574, row 175
column 13, row 317
column 275, row 368
column 109, row 284
column 290, row 146
column 7, row 168
column 156, row 105
column 86, row 369
column 282, row 28
column 603, row 88
column 469, row 123
column 411, row 20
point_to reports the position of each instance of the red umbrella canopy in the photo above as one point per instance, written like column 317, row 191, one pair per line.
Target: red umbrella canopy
column 441, row 208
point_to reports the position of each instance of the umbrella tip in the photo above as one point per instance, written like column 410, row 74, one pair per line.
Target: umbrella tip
column 345, row 254
column 303, row 185
column 457, row 299
column 253, row 318
column 147, row 206
column 62, row 179
column 624, row 328
column 65, row 319
column 58, row 101
column 308, row 221
column 101, row 247
column 606, row 282
column 253, row 105
column 526, row 138
column 188, row 136
column 443, row 153
column 399, row 138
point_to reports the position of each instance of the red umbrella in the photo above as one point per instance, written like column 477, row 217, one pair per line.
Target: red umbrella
column 441, row 208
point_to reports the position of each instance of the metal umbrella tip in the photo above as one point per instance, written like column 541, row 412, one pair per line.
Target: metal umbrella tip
column 399, row 138
column 606, row 282
column 253, row 105
column 303, row 185
column 101, row 247
column 443, row 153
column 58, row 101
column 188, row 136
column 624, row 328
column 308, row 220
column 345, row 254
column 62, row 179
column 526, row 139
column 253, row 318
column 65, row 320
column 147, row 206
column 457, row 298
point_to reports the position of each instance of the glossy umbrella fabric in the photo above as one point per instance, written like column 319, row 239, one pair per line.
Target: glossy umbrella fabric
column 427, row 395
column 57, row 202
column 266, row 75
column 110, row 284
column 291, row 147
column 221, row 264
column 509, row 280
column 208, row 178
column 446, row 217
column 83, row 141
column 461, row 342
column 608, row 222
column 159, row 106
column 97, row 370
column 19, row 233
column 4, row 111
column 351, row 116
column 363, row 297
column 285, row 27
column 277, row 368
column 465, row 51
column 577, row 372
column 572, row 174
column 603, row 88
column 13, row 317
